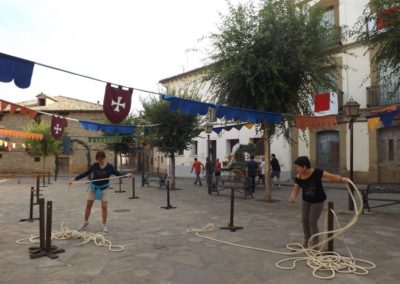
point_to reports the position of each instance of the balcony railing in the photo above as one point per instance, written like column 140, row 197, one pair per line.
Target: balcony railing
column 381, row 95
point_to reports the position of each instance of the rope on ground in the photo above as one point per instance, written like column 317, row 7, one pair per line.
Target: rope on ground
column 324, row 264
column 67, row 234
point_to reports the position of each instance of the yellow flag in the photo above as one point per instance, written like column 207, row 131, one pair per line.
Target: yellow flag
column 249, row 125
column 373, row 122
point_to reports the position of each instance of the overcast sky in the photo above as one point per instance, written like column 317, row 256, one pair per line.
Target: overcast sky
column 132, row 43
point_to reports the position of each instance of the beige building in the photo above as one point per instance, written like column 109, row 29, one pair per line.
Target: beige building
column 18, row 161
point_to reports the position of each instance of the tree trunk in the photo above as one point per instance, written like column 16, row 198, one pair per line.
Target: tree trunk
column 172, row 172
column 44, row 164
column 267, row 165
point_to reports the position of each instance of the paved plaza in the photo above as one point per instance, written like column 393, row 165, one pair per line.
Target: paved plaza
column 159, row 250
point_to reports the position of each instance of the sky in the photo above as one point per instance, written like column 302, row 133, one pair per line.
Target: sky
column 130, row 43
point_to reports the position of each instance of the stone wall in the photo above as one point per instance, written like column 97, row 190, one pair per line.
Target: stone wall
column 19, row 161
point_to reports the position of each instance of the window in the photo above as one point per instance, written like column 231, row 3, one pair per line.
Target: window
column 41, row 101
column 180, row 152
column 329, row 17
column 230, row 143
column 36, row 159
column 194, row 148
column 388, row 80
column 389, row 146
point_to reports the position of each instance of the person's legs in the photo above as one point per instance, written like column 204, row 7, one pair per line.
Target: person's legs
column 104, row 212
column 89, row 204
column 305, row 217
column 278, row 178
column 198, row 178
column 315, row 213
column 209, row 183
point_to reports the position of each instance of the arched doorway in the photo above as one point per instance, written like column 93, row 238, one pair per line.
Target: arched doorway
column 328, row 151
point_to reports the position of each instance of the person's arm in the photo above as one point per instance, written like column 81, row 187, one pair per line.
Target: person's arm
column 117, row 173
column 85, row 174
column 294, row 193
column 332, row 177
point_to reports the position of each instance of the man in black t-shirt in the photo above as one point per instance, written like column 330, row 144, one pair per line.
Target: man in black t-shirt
column 251, row 171
column 275, row 169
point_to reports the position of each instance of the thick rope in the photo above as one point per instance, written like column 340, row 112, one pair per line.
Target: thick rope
column 324, row 265
column 67, row 234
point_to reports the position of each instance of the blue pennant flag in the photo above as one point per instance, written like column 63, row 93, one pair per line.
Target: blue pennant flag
column 107, row 128
column 388, row 117
column 187, row 106
column 218, row 129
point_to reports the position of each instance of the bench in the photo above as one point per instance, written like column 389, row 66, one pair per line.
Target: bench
column 240, row 183
column 380, row 188
column 159, row 179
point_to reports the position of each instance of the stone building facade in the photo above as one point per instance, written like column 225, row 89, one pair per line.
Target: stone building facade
column 19, row 162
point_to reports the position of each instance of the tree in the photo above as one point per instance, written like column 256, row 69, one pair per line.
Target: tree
column 128, row 141
column 272, row 58
column 175, row 131
column 47, row 146
column 379, row 29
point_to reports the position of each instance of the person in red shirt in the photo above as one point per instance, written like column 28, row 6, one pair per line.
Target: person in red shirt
column 198, row 168
column 218, row 167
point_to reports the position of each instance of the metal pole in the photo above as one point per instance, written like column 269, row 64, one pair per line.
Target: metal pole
column 350, row 201
column 330, row 225
column 37, row 188
column 142, row 166
column 133, row 189
column 231, row 226
column 208, row 145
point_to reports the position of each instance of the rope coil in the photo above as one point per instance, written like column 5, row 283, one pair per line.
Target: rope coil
column 324, row 265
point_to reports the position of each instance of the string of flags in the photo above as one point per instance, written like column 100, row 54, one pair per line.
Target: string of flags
column 21, row 134
column 385, row 115
column 12, row 145
column 117, row 104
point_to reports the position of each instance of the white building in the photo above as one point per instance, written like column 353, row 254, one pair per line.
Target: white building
column 220, row 144
column 376, row 151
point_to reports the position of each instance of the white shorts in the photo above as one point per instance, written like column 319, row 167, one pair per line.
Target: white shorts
column 105, row 195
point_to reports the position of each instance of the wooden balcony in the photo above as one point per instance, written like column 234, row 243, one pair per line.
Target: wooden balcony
column 379, row 95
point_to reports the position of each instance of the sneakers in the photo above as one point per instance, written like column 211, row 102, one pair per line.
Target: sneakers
column 84, row 226
column 105, row 231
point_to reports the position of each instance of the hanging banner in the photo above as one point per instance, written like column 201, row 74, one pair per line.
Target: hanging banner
column 315, row 122
column 117, row 103
column 57, row 126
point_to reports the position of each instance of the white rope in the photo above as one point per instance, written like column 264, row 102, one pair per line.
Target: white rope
column 324, row 265
column 68, row 234
column 89, row 181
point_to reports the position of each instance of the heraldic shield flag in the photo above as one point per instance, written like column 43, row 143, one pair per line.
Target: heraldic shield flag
column 57, row 126
column 117, row 103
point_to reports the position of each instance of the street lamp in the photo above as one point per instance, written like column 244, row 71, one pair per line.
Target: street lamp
column 351, row 110
column 208, row 129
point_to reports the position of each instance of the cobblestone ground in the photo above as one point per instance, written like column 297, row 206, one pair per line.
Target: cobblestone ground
column 159, row 250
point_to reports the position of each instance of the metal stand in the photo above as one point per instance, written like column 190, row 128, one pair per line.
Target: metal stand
column 30, row 219
column 44, row 180
column 230, row 225
column 37, row 189
column 119, row 184
column 45, row 248
column 133, row 189
column 169, row 206
column 330, row 225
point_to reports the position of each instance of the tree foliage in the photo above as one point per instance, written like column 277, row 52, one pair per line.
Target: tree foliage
column 47, row 146
column 383, row 41
column 273, row 57
column 175, row 131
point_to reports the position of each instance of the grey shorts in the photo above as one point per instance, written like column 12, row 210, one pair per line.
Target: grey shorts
column 105, row 195
column 275, row 174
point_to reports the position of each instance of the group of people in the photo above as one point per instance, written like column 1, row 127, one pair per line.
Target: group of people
column 254, row 169
column 308, row 179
